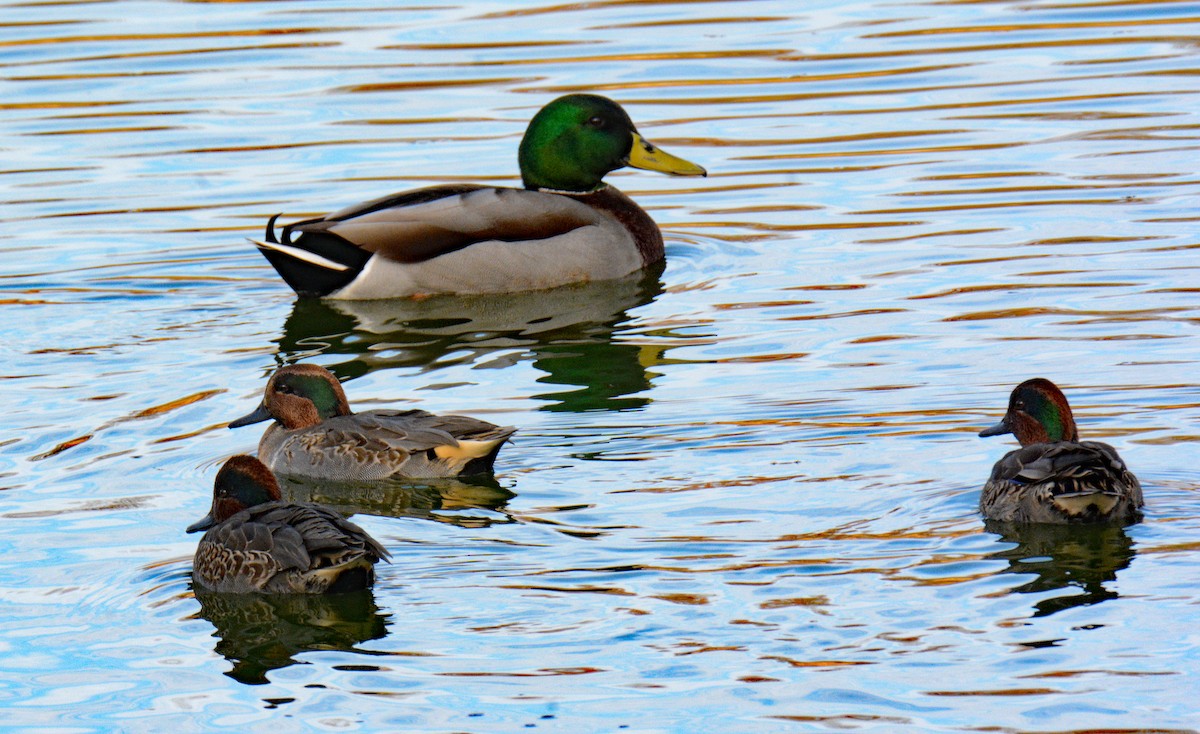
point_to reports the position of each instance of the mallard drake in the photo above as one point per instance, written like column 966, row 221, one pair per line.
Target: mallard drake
column 1054, row 477
column 256, row 543
column 316, row 435
column 565, row 226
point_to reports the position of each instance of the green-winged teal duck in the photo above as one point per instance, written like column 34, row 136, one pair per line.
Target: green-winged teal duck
column 315, row 434
column 565, row 226
column 1054, row 477
column 256, row 543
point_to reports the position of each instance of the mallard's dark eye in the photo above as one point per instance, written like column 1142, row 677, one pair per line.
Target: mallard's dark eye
column 597, row 122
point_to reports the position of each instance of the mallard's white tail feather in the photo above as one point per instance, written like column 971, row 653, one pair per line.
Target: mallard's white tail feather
column 300, row 254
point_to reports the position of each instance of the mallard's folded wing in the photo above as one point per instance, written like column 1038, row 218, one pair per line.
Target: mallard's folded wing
column 421, row 225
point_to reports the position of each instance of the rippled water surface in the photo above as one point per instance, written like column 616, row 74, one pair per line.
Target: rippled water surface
column 742, row 498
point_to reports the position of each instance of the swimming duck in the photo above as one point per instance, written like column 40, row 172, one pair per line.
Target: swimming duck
column 565, row 226
column 1054, row 477
column 257, row 543
column 315, row 434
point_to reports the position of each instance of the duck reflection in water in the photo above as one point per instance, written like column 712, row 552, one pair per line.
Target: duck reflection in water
column 1080, row 559
column 444, row 500
column 259, row 633
column 565, row 332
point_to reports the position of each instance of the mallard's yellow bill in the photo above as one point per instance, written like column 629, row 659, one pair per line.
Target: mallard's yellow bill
column 645, row 155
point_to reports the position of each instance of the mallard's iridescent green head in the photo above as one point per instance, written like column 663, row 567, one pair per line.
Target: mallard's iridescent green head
column 575, row 140
column 299, row 396
column 242, row 482
column 1037, row 413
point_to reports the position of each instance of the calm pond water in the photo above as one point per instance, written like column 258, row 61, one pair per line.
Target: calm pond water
column 743, row 494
